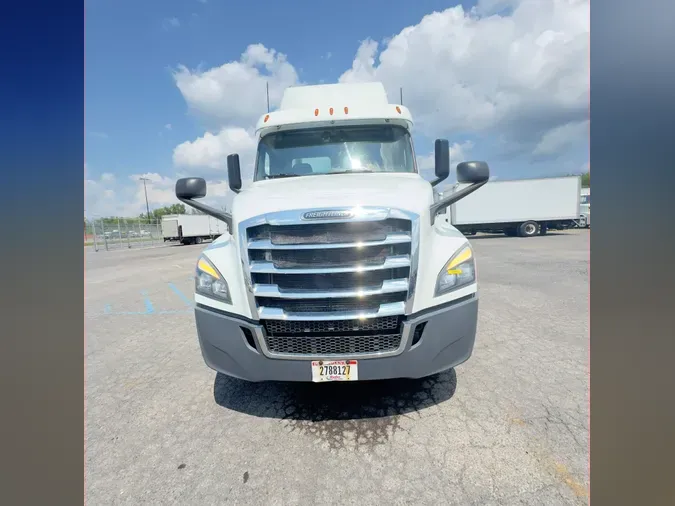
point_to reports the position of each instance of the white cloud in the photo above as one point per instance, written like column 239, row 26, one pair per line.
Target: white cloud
column 234, row 93
column 170, row 23
column 208, row 154
column 559, row 138
column 161, row 191
column 109, row 196
column 168, row 126
column 101, row 198
column 521, row 74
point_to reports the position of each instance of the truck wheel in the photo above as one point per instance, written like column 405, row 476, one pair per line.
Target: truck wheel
column 528, row 229
column 198, row 240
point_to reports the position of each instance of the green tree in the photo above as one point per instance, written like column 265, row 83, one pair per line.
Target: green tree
column 586, row 180
column 157, row 214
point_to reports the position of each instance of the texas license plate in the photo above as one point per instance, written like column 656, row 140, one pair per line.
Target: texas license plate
column 335, row 370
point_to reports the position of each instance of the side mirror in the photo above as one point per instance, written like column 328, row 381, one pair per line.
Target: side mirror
column 191, row 188
column 473, row 172
column 476, row 173
column 442, row 160
column 234, row 173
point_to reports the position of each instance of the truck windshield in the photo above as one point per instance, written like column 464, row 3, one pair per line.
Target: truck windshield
column 334, row 150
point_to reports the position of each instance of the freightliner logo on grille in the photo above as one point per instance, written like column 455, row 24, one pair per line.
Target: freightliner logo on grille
column 327, row 215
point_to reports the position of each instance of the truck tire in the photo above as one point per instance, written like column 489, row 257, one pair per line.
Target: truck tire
column 528, row 229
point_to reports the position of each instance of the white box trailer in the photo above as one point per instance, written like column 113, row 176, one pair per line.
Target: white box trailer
column 191, row 228
column 524, row 207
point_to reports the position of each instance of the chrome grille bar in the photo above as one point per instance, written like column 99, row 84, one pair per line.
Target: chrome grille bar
column 266, row 244
column 388, row 286
column 391, row 262
column 272, row 313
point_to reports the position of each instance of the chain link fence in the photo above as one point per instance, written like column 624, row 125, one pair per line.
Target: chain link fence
column 113, row 234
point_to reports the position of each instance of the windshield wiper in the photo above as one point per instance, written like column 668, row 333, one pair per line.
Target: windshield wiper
column 275, row 176
column 356, row 171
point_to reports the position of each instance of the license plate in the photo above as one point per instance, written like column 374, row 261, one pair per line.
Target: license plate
column 335, row 370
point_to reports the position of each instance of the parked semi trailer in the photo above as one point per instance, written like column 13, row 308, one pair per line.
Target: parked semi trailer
column 191, row 229
column 336, row 268
column 525, row 207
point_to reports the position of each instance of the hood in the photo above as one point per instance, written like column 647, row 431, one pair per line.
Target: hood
column 408, row 191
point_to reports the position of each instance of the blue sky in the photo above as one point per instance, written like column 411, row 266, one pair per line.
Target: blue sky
column 146, row 116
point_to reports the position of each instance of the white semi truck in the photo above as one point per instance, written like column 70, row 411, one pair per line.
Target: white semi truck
column 191, row 228
column 519, row 207
column 336, row 267
column 585, row 207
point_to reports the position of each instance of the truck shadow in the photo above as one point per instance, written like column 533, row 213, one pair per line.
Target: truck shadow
column 357, row 414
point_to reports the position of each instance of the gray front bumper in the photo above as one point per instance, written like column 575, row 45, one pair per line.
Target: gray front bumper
column 447, row 341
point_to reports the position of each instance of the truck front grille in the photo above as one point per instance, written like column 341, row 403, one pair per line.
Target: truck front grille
column 330, row 289
column 351, row 346
column 344, row 327
column 329, row 338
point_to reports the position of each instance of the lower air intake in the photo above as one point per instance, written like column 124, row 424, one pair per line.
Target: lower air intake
column 384, row 325
column 333, row 345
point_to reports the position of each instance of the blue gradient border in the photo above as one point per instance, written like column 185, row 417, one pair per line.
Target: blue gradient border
column 632, row 341
column 42, row 164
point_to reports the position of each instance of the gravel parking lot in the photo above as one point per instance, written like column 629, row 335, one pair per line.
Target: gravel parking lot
column 509, row 426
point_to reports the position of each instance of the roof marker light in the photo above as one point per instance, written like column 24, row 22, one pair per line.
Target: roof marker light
column 330, row 111
column 346, row 110
column 316, row 112
column 398, row 109
column 267, row 116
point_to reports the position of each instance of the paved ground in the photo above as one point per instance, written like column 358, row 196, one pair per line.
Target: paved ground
column 510, row 426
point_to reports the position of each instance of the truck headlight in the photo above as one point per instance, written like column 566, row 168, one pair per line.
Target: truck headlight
column 459, row 271
column 211, row 283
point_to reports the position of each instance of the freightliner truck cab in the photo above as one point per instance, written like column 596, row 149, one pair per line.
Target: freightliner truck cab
column 335, row 267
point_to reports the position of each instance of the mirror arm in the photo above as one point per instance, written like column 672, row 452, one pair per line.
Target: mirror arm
column 438, row 180
column 451, row 199
column 219, row 215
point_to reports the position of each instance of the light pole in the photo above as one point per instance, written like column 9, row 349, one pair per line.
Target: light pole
column 147, row 207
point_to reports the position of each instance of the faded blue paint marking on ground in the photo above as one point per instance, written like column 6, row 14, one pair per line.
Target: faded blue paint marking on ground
column 145, row 313
column 180, row 294
column 149, row 309
column 107, row 309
